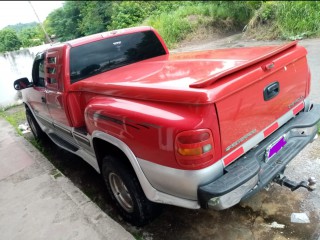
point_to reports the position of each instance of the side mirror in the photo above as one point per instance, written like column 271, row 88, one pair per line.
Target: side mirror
column 21, row 83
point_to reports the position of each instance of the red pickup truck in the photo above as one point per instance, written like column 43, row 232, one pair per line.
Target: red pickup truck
column 195, row 129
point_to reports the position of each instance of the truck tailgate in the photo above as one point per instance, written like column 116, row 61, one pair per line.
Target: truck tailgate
column 256, row 97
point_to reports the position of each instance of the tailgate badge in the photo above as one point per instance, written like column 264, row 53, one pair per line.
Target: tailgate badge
column 244, row 138
column 291, row 105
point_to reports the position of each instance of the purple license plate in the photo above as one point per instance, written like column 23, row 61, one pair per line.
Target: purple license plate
column 276, row 147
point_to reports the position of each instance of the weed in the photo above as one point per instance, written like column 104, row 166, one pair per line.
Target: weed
column 175, row 25
column 298, row 18
column 285, row 19
column 15, row 118
column 15, row 115
column 137, row 236
column 55, row 173
column 5, row 108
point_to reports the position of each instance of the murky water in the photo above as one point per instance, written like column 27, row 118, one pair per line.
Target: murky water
column 14, row 65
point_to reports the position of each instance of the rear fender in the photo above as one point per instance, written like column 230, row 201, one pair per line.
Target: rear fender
column 150, row 127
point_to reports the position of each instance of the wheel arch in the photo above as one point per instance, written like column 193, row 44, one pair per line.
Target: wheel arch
column 102, row 148
column 27, row 107
column 105, row 144
column 151, row 193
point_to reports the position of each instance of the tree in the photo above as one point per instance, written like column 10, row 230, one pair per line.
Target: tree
column 31, row 36
column 96, row 15
column 9, row 40
column 64, row 22
column 128, row 13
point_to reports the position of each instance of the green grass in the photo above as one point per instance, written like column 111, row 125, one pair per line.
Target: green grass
column 289, row 20
column 298, row 19
column 15, row 118
column 16, row 115
column 177, row 21
column 5, row 108
column 174, row 26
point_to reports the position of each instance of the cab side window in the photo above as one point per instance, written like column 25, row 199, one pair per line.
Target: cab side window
column 38, row 73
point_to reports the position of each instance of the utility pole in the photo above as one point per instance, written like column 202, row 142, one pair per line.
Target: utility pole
column 48, row 39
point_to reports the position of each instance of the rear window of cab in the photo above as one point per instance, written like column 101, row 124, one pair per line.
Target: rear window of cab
column 107, row 54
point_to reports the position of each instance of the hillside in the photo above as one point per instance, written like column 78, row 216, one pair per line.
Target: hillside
column 179, row 21
column 19, row 27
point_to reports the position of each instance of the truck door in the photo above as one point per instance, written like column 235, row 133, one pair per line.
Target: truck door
column 55, row 94
column 36, row 95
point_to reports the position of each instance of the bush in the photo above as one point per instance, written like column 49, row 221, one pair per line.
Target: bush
column 298, row 19
column 173, row 26
column 289, row 20
column 172, row 29
column 9, row 40
column 128, row 14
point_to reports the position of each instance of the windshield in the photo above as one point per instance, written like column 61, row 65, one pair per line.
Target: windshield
column 101, row 56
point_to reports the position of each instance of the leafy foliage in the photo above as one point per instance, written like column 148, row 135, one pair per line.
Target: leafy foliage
column 79, row 18
column 174, row 25
column 21, row 26
column 95, row 16
column 298, row 19
column 63, row 22
column 9, row 40
column 31, row 36
column 286, row 19
column 133, row 13
column 174, row 19
column 128, row 13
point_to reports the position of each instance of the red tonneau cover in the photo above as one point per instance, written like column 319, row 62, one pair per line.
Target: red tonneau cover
column 208, row 82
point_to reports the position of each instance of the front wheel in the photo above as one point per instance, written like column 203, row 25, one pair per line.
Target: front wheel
column 34, row 126
column 126, row 192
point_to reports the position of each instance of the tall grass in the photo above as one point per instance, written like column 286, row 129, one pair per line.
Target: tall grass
column 298, row 19
column 173, row 26
column 286, row 19
column 265, row 19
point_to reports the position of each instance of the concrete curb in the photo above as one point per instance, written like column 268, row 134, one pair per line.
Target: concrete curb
column 92, row 216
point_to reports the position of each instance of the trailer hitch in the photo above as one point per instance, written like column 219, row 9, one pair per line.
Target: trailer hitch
column 284, row 181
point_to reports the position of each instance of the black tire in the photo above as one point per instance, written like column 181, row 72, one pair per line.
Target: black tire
column 131, row 202
column 34, row 126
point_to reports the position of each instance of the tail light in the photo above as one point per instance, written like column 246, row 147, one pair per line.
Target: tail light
column 194, row 148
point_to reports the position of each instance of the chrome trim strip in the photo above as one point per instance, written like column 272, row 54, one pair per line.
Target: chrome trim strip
column 151, row 193
column 63, row 129
column 43, row 118
column 81, row 138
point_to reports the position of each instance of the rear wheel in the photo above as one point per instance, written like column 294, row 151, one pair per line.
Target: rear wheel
column 34, row 126
column 127, row 194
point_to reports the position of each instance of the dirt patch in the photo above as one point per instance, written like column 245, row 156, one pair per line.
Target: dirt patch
column 262, row 32
column 205, row 34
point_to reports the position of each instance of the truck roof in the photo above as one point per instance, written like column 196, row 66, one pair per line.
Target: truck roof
column 109, row 34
